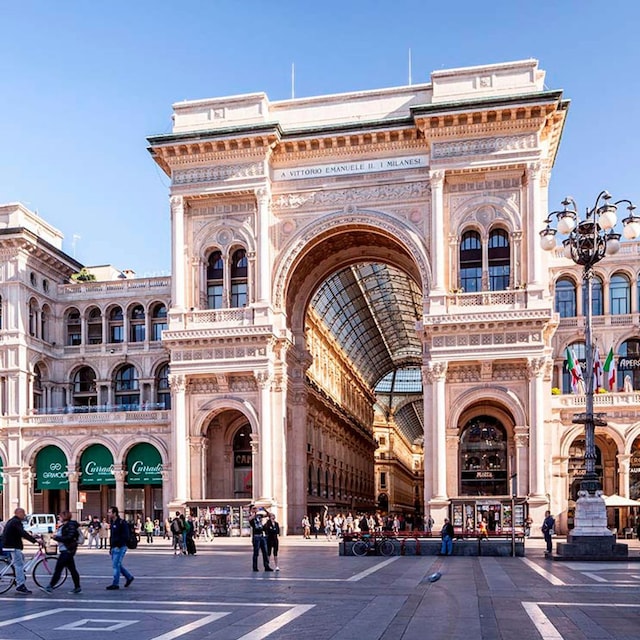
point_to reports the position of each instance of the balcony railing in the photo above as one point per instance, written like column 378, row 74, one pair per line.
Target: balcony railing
column 101, row 408
column 116, row 415
column 612, row 399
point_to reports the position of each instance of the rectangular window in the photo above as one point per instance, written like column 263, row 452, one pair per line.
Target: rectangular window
column 471, row 279
column 239, row 295
column 117, row 334
column 158, row 328
column 137, row 333
column 214, row 296
column 383, row 480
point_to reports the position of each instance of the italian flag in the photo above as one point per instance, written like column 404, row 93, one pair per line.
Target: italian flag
column 610, row 370
column 574, row 369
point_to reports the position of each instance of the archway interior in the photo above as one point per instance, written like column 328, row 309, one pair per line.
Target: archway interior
column 371, row 309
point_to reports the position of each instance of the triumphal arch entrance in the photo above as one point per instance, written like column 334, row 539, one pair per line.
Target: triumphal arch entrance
column 360, row 313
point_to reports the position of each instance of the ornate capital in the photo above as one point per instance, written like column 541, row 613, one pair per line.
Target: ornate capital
column 178, row 382
column 434, row 371
column 437, row 178
column 263, row 379
column 263, row 196
column 536, row 367
column 177, row 204
column 73, row 476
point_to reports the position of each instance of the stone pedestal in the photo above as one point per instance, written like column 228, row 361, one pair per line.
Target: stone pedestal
column 591, row 539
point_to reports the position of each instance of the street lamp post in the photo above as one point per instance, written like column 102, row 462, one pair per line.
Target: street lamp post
column 587, row 242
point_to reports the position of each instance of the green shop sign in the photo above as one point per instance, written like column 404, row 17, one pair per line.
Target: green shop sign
column 51, row 469
column 144, row 465
column 96, row 465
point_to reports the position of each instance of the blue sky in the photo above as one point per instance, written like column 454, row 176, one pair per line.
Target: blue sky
column 84, row 83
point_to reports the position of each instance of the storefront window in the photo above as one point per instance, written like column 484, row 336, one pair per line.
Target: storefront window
column 483, row 458
column 243, row 482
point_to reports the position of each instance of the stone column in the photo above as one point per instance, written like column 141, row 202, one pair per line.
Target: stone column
column 166, row 490
column 256, row 467
column 521, row 462
column 264, row 379
column 178, row 384
column 73, row 477
column 119, row 473
column 434, row 374
column 624, row 460
column 535, row 373
column 263, row 225
column 178, row 283
column 536, row 217
column 197, row 448
column 437, row 229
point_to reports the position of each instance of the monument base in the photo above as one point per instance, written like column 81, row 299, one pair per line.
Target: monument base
column 591, row 539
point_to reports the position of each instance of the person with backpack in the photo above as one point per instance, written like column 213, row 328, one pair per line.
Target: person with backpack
column 120, row 534
column 67, row 537
column 177, row 530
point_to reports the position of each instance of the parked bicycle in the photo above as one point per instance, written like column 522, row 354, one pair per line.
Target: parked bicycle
column 367, row 543
column 41, row 566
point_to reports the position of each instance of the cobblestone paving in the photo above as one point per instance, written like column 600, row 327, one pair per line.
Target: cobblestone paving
column 318, row 595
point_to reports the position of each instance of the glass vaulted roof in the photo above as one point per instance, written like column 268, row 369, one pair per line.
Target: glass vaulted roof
column 372, row 310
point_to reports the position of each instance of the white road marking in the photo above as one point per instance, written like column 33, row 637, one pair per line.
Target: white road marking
column 84, row 625
column 543, row 572
column 546, row 630
column 370, row 570
column 293, row 612
column 594, row 576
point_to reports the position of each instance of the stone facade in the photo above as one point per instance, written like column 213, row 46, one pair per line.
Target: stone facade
column 445, row 183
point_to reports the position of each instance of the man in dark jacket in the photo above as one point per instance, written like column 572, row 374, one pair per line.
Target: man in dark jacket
column 13, row 534
column 119, row 537
column 447, row 538
column 67, row 537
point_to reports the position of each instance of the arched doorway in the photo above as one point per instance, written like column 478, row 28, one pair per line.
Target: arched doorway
column 483, row 457
column 143, row 483
column 51, row 485
column 97, row 480
column 352, row 298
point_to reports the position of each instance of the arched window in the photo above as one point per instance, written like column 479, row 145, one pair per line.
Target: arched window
column 163, row 392
column 629, row 364
column 620, row 295
column 37, row 389
column 94, row 326
column 45, row 315
column 85, row 392
column 597, row 306
column 116, row 325
column 242, row 478
column 484, row 440
column 239, row 274
column 33, row 317
column 471, row 262
column 74, row 332
column 578, row 351
column 499, row 256
column 127, row 394
column 565, row 298
column 158, row 321
column 310, row 480
column 634, row 470
column 137, row 324
column 215, row 281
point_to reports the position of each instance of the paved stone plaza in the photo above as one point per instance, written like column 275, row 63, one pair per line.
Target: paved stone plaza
column 319, row 595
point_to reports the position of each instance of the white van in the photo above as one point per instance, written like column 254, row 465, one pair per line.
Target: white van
column 40, row 524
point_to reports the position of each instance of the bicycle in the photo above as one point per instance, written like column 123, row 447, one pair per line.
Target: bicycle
column 367, row 543
column 41, row 566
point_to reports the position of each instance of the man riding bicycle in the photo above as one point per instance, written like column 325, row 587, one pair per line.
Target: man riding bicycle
column 13, row 534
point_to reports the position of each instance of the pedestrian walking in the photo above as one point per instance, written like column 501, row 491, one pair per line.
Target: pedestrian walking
column 14, row 534
column 67, row 536
column 447, row 538
column 306, row 528
column 273, row 531
column 259, row 539
column 149, row 529
column 94, row 532
column 120, row 534
column 103, row 534
column 548, row 526
column 177, row 531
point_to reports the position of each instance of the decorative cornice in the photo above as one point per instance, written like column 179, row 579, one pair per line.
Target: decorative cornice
column 483, row 146
column 217, row 173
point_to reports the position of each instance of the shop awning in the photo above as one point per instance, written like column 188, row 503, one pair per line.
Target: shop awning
column 144, row 465
column 96, row 464
column 617, row 501
column 51, row 469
